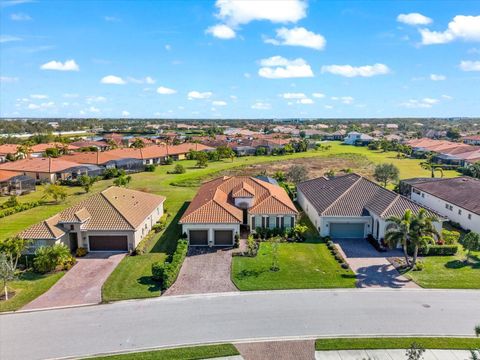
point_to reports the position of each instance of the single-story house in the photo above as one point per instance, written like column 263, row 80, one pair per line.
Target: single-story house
column 223, row 205
column 356, row 138
column 457, row 199
column 7, row 149
column 14, row 183
column 116, row 219
column 335, row 136
column 471, row 140
column 351, row 206
column 45, row 169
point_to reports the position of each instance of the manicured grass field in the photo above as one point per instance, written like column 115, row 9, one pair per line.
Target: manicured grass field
column 307, row 265
column 131, row 278
column 397, row 343
column 29, row 286
column 186, row 353
column 448, row 272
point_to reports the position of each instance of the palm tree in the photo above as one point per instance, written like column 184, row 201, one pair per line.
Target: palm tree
column 137, row 143
column 422, row 231
column 399, row 232
column 429, row 165
column 24, row 150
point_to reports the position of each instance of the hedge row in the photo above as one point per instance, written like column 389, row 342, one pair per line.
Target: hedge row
column 440, row 250
column 336, row 254
column 19, row 208
column 167, row 272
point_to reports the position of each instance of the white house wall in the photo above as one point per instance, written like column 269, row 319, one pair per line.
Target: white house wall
column 309, row 210
column 146, row 226
column 438, row 205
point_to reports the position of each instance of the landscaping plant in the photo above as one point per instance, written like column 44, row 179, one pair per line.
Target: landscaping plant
column 471, row 242
column 50, row 258
column 7, row 273
column 415, row 352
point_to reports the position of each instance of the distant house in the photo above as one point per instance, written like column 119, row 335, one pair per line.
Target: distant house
column 471, row 140
column 7, row 149
column 224, row 205
column 49, row 169
column 351, row 206
column 335, row 136
column 40, row 149
column 457, row 199
column 116, row 219
column 99, row 145
column 15, row 183
column 356, row 138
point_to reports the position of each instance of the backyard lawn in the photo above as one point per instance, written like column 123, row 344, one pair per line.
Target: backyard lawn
column 29, row 286
column 131, row 279
column 448, row 272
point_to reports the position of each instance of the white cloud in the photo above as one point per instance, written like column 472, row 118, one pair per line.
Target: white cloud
column 95, row 99
column 20, row 17
column 354, row 71
column 93, row 109
column 195, row 95
column 318, row 95
column 437, row 77
column 467, row 65
column 422, row 103
column 112, row 79
column 293, row 95
column 235, row 12
column 219, row 103
column 112, row 19
column 145, row 80
column 259, row 105
column 9, row 38
column 8, row 79
column 39, row 96
column 414, row 19
column 69, row 65
column 165, row 90
column 298, row 36
column 221, row 31
column 462, row 27
column 168, row 47
column 125, row 113
column 447, row 97
column 42, row 106
column 247, row 75
column 33, row 106
column 277, row 67
column 306, row 101
column 347, row 100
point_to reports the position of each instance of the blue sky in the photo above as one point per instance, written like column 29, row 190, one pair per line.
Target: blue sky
column 239, row 59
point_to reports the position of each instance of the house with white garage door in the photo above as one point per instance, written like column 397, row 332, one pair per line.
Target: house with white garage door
column 224, row 205
column 116, row 219
column 351, row 206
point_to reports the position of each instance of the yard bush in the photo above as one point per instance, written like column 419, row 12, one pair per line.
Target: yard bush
column 167, row 272
column 450, row 237
column 19, row 208
column 436, row 250
column 150, row 168
column 375, row 243
column 51, row 258
column 81, row 252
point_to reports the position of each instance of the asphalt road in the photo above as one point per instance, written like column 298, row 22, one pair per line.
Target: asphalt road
column 170, row 321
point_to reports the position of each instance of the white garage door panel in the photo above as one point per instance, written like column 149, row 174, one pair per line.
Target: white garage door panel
column 343, row 230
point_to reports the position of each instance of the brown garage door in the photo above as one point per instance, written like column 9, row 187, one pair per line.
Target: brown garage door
column 198, row 237
column 224, row 237
column 108, row 243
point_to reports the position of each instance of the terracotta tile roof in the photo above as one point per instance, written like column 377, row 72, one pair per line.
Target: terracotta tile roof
column 7, row 175
column 214, row 200
column 462, row 191
column 91, row 157
column 354, row 195
column 113, row 209
column 43, row 147
column 40, row 165
column 87, row 143
column 8, row 149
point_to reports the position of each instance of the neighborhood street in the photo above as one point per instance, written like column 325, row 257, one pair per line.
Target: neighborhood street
column 171, row 321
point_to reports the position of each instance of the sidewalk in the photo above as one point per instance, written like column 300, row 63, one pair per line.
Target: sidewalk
column 389, row 354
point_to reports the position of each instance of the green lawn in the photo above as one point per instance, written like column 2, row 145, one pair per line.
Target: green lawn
column 29, row 286
column 448, row 272
column 397, row 343
column 131, row 278
column 186, row 353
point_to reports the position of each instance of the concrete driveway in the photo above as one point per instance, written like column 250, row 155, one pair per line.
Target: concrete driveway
column 204, row 271
column 81, row 285
column 372, row 267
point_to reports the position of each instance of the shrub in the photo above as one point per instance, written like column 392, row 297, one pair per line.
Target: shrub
column 237, row 240
column 168, row 161
column 110, row 173
column 419, row 266
column 150, row 168
column 252, row 246
column 19, row 208
column 81, row 252
column 345, row 266
column 178, row 169
column 439, row 250
column 375, row 243
column 167, row 272
column 450, row 237
column 50, row 258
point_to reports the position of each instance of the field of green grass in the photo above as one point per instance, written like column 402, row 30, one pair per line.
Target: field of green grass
column 186, row 353
column 27, row 287
column 397, row 343
column 131, row 277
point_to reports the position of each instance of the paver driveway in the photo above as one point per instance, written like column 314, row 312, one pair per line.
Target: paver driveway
column 204, row 271
column 372, row 268
column 81, row 285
